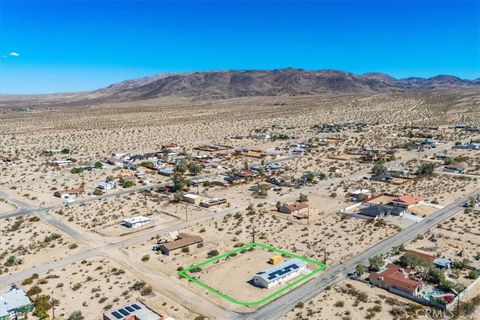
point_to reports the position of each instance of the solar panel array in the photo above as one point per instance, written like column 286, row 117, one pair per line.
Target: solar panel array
column 282, row 269
column 126, row 311
column 281, row 272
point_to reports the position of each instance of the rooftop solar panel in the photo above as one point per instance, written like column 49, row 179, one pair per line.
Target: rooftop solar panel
column 117, row 315
column 130, row 309
column 124, row 312
column 136, row 306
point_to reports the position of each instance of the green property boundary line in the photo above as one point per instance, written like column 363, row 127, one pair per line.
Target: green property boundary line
column 184, row 273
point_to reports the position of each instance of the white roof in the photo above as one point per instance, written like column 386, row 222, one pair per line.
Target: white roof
column 361, row 191
column 192, row 196
column 136, row 219
column 13, row 299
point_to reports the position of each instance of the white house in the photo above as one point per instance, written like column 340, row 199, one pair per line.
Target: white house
column 136, row 222
column 61, row 162
column 281, row 273
column 14, row 302
column 107, row 185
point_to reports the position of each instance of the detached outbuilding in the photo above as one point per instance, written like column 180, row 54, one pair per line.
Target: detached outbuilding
column 183, row 240
column 298, row 209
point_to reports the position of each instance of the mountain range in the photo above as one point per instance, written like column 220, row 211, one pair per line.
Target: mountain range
column 245, row 83
column 289, row 81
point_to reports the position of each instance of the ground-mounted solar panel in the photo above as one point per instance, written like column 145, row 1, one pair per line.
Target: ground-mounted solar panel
column 117, row 315
column 124, row 312
column 136, row 306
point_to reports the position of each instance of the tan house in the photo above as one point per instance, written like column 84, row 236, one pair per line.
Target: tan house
column 298, row 209
column 183, row 240
column 192, row 198
column 70, row 192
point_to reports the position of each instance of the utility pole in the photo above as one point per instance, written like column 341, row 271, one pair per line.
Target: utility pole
column 53, row 309
column 253, row 234
column 324, row 255
column 186, row 212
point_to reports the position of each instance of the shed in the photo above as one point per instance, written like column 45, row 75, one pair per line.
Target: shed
column 192, row 198
column 276, row 259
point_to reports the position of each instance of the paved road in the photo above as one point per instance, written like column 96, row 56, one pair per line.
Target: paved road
column 336, row 273
column 270, row 311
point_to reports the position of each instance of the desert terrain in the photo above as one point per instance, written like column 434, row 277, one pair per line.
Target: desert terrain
column 79, row 251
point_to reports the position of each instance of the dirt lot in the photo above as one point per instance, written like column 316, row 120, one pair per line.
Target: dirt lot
column 94, row 285
column 27, row 242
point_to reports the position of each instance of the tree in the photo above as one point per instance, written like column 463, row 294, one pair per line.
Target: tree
column 445, row 284
column 98, row 165
column 194, row 168
column 178, row 196
column 77, row 170
column 178, row 181
column 262, row 191
column 426, row 169
column 433, row 275
column 261, row 172
column 278, row 205
column 126, row 183
column 472, row 274
column 181, row 167
column 76, row 315
column 360, row 269
column 379, row 168
column 411, row 260
column 310, row 177
column 302, row 198
column 65, row 151
column 375, row 263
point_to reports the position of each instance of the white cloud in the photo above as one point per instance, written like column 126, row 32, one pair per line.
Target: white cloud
column 14, row 54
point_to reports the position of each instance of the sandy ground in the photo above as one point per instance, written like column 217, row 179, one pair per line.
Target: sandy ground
column 6, row 206
column 95, row 285
column 93, row 133
column 27, row 242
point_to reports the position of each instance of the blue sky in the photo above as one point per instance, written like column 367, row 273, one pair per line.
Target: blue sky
column 83, row 45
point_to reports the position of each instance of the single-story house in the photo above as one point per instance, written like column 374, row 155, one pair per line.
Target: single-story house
column 106, row 185
column 210, row 202
column 183, row 240
column 167, row 171
column 456, row 169
column 13, row 303
column 135, row 222
column 61, row 162
column 380, row 211
column 192, row 198
column 429, row 142
column 280, row 273
column 69, row 193
column 406, row 201
column 399, row 172
column 395, row 278
column 297, row 209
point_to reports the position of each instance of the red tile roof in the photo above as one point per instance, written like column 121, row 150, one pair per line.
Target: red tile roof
column 408, row 199
column 397, row 277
